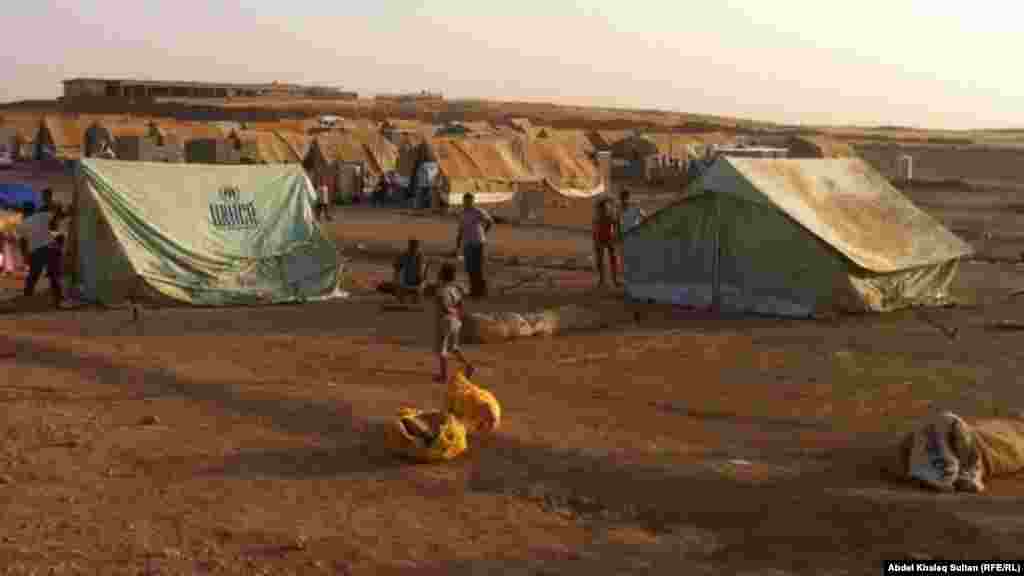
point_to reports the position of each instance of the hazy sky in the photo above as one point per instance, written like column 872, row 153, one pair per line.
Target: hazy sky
column 930, row 63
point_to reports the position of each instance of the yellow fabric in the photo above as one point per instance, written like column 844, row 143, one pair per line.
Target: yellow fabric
column 1001, row 444
column 448, row 442
column 477, row 407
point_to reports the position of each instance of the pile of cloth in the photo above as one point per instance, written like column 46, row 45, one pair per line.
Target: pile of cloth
column 439, row 435
column 503, row 326
column 949, row 454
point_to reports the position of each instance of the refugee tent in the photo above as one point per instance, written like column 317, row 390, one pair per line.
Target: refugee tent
column 294, row 125
column 399, row 131
column 64, row 135
column 25, row 127
column 491, row 168
column 187, row 131
column 60, row 136
column 371, row 149
column 9, row 144
column 127, row 139
column 816, row 146
column 259, row 147
column 298, row 142
column 793, row 238
column 347, row 161
column 199, row 234
column 565, row 169
column 606, row 139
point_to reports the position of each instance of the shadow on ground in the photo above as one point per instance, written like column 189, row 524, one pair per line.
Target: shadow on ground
column 696, row 514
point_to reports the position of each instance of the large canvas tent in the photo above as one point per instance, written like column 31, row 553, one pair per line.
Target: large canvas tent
column 490, row 168
column 199, row 234
column 567, row 170
column 793, row 238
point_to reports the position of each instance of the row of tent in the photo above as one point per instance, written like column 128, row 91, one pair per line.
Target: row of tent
column 487, row 162
column 66, row 135
column 783, row 237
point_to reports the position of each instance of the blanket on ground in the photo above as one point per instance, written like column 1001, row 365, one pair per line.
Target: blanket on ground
column 949, row 454
column 503, row 326
column 426, row 436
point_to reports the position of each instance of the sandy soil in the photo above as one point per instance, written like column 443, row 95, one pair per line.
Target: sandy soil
column 247, row 441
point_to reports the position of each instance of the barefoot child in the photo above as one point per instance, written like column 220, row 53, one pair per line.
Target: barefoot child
column 449, row 321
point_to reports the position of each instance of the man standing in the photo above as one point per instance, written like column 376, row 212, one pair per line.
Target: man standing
column 41, row 249
column 472, row 238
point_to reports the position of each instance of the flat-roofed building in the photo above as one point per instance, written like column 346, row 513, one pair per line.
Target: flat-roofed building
column 147, row 89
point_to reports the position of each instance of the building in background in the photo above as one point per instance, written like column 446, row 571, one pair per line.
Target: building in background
column 77, row 88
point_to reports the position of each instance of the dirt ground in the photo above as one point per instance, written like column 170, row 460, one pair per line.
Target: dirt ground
column 247, row 441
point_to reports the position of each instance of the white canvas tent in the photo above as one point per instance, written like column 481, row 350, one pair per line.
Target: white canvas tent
column 793, row 238
column 199, row 234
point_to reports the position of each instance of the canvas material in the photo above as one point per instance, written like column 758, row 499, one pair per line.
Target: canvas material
column 205, row 235
column 769, row 263
column 1001, row 444
column 845, row 203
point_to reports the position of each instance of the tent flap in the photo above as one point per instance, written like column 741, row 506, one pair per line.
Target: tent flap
column 205, row 235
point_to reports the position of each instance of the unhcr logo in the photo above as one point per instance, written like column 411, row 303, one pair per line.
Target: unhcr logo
column 231, row 213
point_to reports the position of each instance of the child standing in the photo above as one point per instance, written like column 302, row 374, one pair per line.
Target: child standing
column 450, row 313
column 605, row 233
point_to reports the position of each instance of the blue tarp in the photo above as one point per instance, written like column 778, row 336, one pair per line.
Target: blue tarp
column 14, row 195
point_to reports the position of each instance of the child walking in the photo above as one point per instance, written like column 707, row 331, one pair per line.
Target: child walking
column 450, row 313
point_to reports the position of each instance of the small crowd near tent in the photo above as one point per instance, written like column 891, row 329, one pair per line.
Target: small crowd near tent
column 33, row 240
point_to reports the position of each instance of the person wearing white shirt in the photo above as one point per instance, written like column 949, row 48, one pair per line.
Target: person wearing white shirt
column 41, row 251
column 472, row 239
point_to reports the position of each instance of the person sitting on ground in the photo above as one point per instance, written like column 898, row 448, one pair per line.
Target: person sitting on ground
column 450, row 313
column 411, row 273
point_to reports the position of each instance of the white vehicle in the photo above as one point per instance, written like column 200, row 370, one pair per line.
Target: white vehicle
column 330, row 121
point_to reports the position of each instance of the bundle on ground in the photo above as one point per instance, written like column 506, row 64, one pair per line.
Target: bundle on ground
column 427, row 436
column 949, row 454
column 503, row 326
column 473, row 405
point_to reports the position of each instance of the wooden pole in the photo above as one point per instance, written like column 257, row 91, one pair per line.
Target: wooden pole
column 716, row 285
column 73, row 224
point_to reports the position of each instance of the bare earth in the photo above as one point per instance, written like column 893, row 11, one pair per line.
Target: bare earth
column 247, row 441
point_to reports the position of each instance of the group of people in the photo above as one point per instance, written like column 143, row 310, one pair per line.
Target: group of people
column 41, row 245
column 411, row 269
column 411, row 275
column 611, row 223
